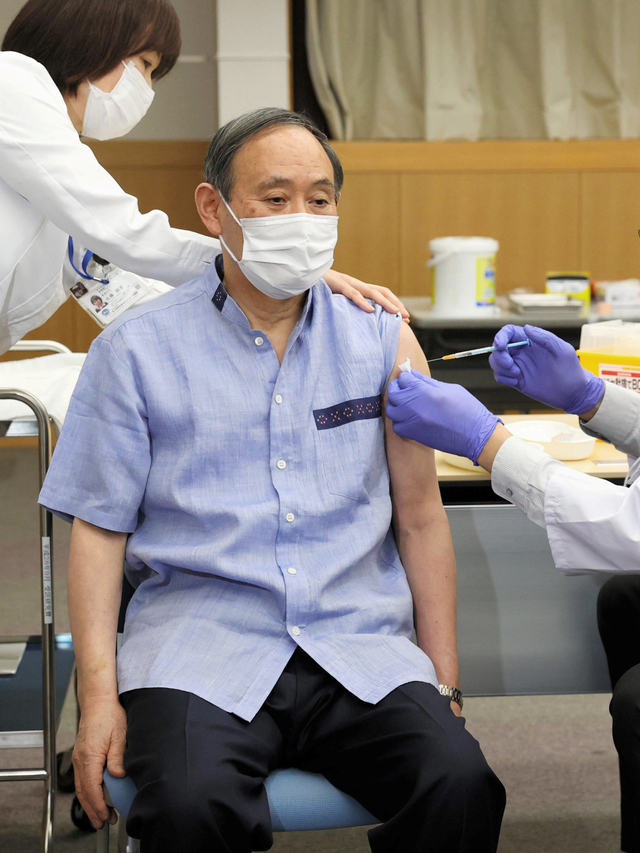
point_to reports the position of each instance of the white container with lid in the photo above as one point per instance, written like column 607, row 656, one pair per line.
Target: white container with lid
column 464, row 275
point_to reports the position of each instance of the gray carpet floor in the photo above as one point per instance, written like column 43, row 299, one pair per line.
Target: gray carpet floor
column 553, row 753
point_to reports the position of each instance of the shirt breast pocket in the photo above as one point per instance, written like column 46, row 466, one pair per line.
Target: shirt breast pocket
column 350, row 441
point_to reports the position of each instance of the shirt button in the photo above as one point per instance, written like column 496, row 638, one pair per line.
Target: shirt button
column 278, row 399
column 509, row 492
column 281, row 464
column 295, row 630
column 290, row 516
column 292, row 571
column 259, row 341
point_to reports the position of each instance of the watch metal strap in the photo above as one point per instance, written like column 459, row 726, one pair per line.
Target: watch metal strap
column 452, row 692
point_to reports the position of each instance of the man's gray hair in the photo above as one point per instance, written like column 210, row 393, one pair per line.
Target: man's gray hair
column 218, row 166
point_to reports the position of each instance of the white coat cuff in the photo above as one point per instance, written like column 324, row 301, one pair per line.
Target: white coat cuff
column 520, row 474
column 617, row 420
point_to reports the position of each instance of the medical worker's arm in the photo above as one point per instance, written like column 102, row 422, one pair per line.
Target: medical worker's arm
column 94, row 589
column 423, row 537
column 592, row 525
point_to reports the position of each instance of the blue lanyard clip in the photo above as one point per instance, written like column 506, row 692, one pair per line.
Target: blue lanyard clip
column 85, row 263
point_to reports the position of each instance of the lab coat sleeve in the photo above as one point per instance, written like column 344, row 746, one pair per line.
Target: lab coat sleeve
column 592, row 525
column 43, row 159
column 520, row 474
column 617, row 420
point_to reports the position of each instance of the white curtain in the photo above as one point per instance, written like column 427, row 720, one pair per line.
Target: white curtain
column 476, row 69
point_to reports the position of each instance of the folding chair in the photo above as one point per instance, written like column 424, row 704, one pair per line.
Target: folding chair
column 297, row 800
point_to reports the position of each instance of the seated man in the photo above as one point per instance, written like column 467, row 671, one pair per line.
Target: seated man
column 242, row 469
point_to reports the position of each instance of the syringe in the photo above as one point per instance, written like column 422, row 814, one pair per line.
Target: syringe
column 481, row 351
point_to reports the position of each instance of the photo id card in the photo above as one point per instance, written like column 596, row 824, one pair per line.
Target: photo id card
column 107, row 301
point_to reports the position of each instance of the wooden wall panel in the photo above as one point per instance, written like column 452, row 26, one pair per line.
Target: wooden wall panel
column 534, row 217
column 610, row 222
column 550, row 204
column 368, row 240
column 495, row 155
column 164, row 188
column 63, row 327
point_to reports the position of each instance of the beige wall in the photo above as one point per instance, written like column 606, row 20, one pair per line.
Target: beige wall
column 8, row 10
column 185, row 106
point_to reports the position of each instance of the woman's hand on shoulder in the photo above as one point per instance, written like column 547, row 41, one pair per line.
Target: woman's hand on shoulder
column 359, row 291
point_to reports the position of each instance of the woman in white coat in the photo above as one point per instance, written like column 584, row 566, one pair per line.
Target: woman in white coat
column 592, row 524
column 86, row 67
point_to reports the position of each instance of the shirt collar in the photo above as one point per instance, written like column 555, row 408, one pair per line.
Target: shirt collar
column 213, row 282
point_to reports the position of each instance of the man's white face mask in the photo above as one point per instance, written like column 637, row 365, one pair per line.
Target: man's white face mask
column 111, row 114
column 284, row 256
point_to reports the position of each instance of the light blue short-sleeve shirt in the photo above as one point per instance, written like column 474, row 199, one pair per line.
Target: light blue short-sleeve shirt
column 256, row 495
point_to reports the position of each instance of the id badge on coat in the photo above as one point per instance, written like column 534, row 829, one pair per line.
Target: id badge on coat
column 103, row 290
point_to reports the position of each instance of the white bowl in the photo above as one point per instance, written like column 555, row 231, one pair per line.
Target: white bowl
column 564, row 442
column 458, row 461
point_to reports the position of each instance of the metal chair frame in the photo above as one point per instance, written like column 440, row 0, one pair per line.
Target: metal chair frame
column 47, row 773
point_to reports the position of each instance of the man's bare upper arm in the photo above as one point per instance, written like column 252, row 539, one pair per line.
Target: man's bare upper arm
column 412, row 467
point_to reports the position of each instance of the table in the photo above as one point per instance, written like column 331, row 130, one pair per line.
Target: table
column 422, row 317
column 594, row 465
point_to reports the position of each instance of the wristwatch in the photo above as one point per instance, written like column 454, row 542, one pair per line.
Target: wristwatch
column 452, row 692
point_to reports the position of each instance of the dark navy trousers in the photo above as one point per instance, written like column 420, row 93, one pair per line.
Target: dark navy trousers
column 619, row 624
column 407, row 759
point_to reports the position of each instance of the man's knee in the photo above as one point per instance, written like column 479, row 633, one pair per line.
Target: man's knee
column 218, row 808
column 469, row 773
column 462, row 773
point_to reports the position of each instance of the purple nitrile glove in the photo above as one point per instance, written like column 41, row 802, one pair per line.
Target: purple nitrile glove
column 549, row 370
column 443, row 416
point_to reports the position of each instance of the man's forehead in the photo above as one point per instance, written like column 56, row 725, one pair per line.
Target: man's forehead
column 282, row 153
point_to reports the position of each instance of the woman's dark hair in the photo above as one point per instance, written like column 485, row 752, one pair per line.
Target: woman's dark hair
column 77, row 40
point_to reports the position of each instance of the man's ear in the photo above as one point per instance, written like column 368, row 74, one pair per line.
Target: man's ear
column 209, row 204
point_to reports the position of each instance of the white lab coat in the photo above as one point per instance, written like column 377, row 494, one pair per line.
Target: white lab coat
column 52, row 186
column 592, row 525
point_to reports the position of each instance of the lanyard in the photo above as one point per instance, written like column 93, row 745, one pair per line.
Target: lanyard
column 85, row 263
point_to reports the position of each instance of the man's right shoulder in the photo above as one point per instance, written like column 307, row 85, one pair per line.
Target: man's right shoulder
column 165, row 310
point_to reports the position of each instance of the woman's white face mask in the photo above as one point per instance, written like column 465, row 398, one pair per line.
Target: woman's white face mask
column 112, row 114
column 284, row 256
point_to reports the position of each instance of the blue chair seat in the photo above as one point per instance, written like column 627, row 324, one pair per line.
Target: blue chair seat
column 297, row 800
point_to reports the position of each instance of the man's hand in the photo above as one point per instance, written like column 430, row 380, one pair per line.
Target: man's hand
column 549, row 370
column 359, row 291
column 457, row 710
column 101, row 740
column 443, row 416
